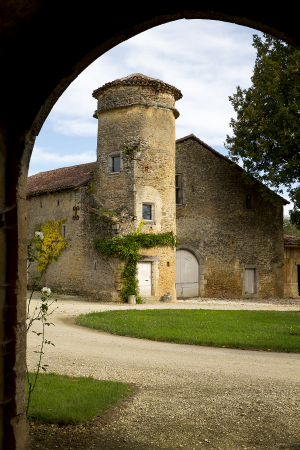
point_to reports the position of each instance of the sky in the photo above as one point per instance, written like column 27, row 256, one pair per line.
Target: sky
column 205, row 59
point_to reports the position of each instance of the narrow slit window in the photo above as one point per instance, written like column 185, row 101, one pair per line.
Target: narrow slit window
column 147, row 212
column 116, row 164
column 178, row 188
column 64, row 231
column 249, row 201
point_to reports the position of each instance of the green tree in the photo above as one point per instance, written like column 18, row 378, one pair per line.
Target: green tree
column 266, row 132
column 289, row 228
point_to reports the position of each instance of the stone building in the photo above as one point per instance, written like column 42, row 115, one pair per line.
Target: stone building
column 291, row 266
column 231, row 239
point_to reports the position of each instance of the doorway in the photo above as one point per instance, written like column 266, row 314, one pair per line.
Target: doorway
column 187, row 274
column 144, row 277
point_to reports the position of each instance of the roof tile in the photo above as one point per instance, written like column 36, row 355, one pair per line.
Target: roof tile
column 142, row 80
column 66, row 177
column 291, row 241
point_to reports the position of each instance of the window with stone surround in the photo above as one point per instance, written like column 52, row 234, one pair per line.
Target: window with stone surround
column 114, row 163
column 148, row 211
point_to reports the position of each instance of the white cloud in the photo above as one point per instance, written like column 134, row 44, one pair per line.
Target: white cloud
column 205, row 59
column 43, row 160
column 75, row 127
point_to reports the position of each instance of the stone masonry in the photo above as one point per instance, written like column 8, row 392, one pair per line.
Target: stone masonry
column 214, row 221
column 229, row 238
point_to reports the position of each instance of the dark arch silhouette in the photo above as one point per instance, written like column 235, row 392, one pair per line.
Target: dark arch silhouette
column 44, row 46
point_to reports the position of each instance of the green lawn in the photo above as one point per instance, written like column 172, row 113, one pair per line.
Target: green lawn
column 66, row 400
column 259, row 330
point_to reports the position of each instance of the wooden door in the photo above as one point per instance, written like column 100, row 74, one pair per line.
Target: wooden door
column 249, row 281
column 187, row 274
column 144, row 277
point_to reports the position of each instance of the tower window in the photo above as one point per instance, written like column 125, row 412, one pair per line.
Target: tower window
column 249, row 201
column 147, row 212
column 116, row 164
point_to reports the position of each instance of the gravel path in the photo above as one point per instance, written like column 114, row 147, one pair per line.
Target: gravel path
column 189, row 397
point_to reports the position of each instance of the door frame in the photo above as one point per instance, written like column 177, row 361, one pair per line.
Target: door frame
column 154, row 272
column 198, row 256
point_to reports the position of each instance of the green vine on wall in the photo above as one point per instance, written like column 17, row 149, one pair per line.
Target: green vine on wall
column 127, row 248
column 127, row 150
column 91, row 187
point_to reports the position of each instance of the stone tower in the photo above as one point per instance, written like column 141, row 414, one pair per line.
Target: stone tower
column 137, row 113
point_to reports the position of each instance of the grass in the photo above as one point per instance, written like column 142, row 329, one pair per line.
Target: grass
column 67, row 400
column 258, row 330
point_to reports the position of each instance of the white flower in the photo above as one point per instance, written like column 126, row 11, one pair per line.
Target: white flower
column 39, row 234
column 46, row 290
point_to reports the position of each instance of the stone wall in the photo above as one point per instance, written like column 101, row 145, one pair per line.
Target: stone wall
column 143, row 118
column 291, row 262
column 214, row 220
column 80, row 269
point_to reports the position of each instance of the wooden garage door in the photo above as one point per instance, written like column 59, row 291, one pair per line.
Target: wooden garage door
column 187, row 274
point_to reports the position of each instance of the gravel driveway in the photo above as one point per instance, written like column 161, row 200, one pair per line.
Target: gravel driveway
column 188, row 397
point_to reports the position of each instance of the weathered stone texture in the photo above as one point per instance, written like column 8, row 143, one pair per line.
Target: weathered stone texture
column 147, row 174
column 79, row 269
column 213, row 220
column 143, row 118
column 291, row 262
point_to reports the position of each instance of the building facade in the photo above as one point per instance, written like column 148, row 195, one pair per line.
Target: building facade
column 231, row 239
column 291, row 266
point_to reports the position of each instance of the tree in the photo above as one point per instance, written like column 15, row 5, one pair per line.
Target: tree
column 289, row 228
column 267, row 132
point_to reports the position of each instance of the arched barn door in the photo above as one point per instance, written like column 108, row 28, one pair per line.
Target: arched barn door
column 187, row 274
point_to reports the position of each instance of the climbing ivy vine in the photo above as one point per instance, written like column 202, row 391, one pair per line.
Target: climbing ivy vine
column 51, row 245
column 126, row 247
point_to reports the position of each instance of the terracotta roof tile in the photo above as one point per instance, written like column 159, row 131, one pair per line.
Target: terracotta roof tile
column 64, row 178
column 291, row 241
column 141, row 80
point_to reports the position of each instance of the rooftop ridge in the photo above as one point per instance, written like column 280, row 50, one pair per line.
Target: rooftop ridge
column 192, row 136
column 140, row 80
column 58, row 179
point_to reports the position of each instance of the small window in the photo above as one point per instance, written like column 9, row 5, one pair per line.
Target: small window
column 249, row 201
column 156, row 92
column 147, row 212
column 116, row 164
column 178, row 188
column 64, row 231
column 57, row 202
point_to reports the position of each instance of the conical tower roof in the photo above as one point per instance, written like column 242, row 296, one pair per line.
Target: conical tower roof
column 138, row 79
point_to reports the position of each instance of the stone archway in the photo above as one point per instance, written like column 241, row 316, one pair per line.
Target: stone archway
column 44, row 47
column 190, row 271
